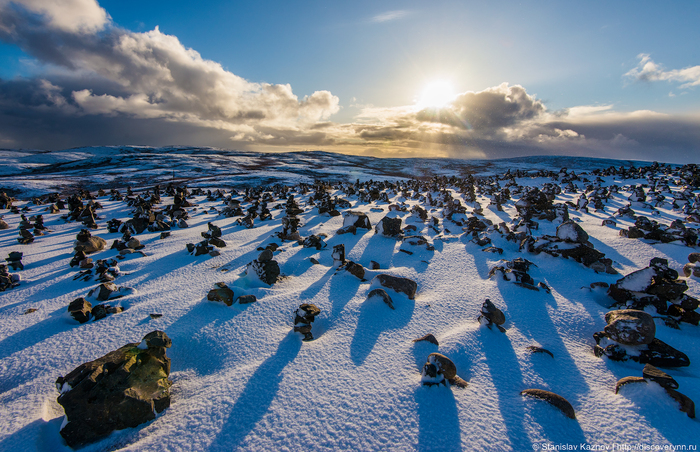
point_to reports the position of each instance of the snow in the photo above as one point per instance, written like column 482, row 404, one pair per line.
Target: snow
column 242, row 380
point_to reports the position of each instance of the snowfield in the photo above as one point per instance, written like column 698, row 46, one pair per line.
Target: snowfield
column 243, row 380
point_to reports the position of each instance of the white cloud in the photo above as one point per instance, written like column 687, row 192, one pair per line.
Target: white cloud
column 648, row 70
column 75, row 16
column 389, row 16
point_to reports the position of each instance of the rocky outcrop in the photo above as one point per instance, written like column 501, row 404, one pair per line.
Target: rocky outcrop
column 122, row 389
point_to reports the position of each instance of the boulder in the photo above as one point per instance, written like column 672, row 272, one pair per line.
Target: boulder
column 630, row 327
column 570, row 231
column 491, row 313
column 90, row 245
column 659, row 376
column 246, row 299
column 553, row 399
column 396, row 283
column 267, row 272
column 122, row 389
column 355, row 269
column 103, row 292
column 357, row 219
column 80, row 309
column 390, row 227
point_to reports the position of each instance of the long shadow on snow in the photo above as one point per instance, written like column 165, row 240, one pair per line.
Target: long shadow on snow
column 379, row 249
column 438, row 420
column 507, row 379
column 194, row 348
column 376, row 317
column 257, row 396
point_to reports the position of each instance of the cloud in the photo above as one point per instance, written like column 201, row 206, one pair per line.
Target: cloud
column 648, row 71
column 389, row 16
column 147, row 75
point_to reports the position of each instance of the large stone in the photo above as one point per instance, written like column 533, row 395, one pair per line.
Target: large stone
column 104, row 291
column 492, row 313
column 570, row 231
column 267, row 272
column 630, row 327
column 380, row 294
column 389, row 226
column 357, row 219
column 685, row 403
column 122, row 389
column 553, row 399
column 91, row 245
column 222, row 294
column 398, row 284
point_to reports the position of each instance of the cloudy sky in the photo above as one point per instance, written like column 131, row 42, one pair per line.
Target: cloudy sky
column 404, row 78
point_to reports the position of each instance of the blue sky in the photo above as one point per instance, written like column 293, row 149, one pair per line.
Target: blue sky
column 573, row 72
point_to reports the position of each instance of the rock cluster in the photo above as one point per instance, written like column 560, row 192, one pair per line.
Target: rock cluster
column 304, row 316
column 491, row 315
column 122, row 389
column 516, row 271
column 630, row 335
column 658, row 286
column 652, row 374
column 264, row 268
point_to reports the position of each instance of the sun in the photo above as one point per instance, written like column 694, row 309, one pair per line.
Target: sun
column 436, row 94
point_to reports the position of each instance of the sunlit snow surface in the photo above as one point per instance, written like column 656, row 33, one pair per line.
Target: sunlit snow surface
column 243, row 380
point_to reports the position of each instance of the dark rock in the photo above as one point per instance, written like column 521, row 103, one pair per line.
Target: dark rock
column 338, row 254
column 104, row 291
column 660, row 354
column 535, row 349
column 349, row 229
column 267, row 272
column 122, row 389
column 398, row 284
column 90, row 245
column 374, row 265
column 222, row 293
column 685, row 403
column 428, row 338
column 630, row 327
column 80, row 309
column 357, row 219
column 265, row 256
column 304, row 316
column 437, row 368
column 652, row 373
column 570, row 231
column 247, row 299
column 382, row 295
column 554, row 399
column 314, row 241
column 389, row 226
column 355, row 269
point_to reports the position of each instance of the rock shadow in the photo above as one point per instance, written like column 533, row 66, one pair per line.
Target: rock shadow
column 438, row 419
column 257, row 396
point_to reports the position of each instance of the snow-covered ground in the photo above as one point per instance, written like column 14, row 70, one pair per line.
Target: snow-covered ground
column 242, row 380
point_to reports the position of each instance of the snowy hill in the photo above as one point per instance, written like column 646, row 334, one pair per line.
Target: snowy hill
column 244, row 380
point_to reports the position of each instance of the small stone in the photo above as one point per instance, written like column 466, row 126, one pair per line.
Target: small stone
column 155, row 315
column 355, row 269
column 265, row 256
column 222, row 293
column 29, row 311
column 535, row 349
column 374, row 265
column 628, row 380
column 247, row 299
column 428, row 338
column 382, row 295
column 553, row 399
column 314, row 261
column 492, row 313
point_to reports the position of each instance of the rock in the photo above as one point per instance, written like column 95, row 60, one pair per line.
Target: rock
column 222, row 293
column 267, row 272
column 553, row 399
column 398, row 284
column 304, row 316
column 535, row 349
column 693, row 257
column 103, row 292
column 134, row 244
column 91, row 245
column 685, row 403
column 349, row 229
column 3, row 224
column 265, row 256
column 437, row 369
column 122, row 389
column 390, row 227
column 630, row 327
column 627, row 380
column 570, row 231
column 314, row 241
column 374, row 265
column 355, row 269
column 338, row 254
column 357, row 219
column 80, row 309
column 652, row 373
column 247, row 299
column 380, row 294
column 217, row 242
column 428, row 338
column 660, row 354
column 491, row 313
column 314, row 261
